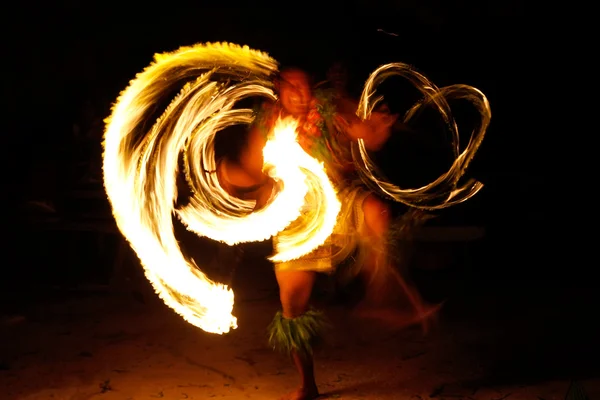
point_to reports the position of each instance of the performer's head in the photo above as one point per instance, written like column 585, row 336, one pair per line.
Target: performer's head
column 294, row 91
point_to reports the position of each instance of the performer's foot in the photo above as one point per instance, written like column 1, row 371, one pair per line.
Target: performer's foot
column 398, row 318
column 302, row 393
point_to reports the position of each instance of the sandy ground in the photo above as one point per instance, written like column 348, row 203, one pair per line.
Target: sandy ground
column 502, row 341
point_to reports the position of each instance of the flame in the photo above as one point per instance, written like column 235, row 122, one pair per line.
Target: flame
column 141, row 166
column 287, row 162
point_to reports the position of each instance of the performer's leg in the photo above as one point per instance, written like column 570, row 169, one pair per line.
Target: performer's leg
column 374, row 230
column 381, row 278
column 296, row 327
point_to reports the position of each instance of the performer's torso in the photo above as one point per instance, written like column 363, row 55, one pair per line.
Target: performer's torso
column 318, row 137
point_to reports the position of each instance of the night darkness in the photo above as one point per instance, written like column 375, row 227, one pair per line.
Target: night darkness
column 69, row 55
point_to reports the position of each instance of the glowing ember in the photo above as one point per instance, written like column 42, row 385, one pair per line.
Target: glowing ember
column 447, row 189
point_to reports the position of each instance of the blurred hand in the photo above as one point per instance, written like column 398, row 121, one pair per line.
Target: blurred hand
column 378, row 124
column 382, row 120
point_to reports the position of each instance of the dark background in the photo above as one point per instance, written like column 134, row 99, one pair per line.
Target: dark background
column 63, row 54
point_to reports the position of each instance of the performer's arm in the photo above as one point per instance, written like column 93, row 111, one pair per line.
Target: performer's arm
column 238, row 183
column 251, row 157
column 244, row 177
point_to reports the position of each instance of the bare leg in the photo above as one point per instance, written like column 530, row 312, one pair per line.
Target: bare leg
column 295, row 288
column 383, row 282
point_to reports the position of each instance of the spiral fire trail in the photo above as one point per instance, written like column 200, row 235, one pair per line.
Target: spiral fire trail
column 205, row 81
